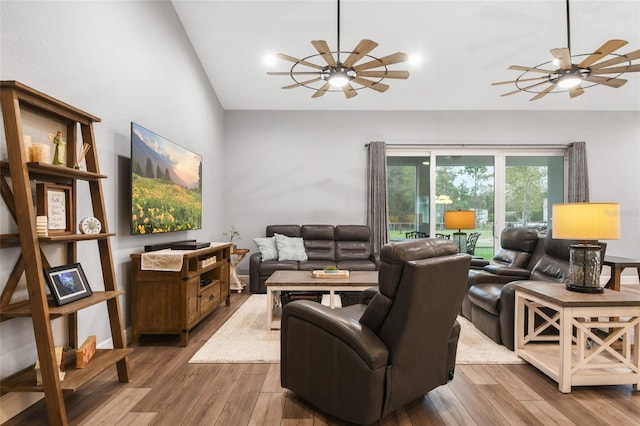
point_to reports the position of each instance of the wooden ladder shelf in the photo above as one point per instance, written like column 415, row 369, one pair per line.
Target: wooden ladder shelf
column 18, row 197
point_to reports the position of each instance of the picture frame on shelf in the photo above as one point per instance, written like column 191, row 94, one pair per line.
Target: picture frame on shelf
column 55, row 202
column 67, row 283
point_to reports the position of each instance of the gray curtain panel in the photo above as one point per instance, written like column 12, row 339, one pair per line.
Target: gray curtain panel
column 578, row 173
column 377, row 196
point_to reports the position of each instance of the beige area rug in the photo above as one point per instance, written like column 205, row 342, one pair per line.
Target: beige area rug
column 244, row 339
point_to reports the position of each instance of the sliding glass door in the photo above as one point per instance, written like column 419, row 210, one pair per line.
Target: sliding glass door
column 467, row 182
column 505, row 188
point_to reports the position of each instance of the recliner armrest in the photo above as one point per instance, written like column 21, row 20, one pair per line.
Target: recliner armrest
column 338, row 323
column 508, row 270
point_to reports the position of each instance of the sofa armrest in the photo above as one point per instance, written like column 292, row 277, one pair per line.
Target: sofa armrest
column 507, row 315
column 254, row 271
column 338, row 324
column 478, row 263
column 513, row 271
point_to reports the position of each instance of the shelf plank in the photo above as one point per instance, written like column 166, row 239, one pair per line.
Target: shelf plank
column 74, row 377
column 23, row 309
column 13, row 240
column 45, row 170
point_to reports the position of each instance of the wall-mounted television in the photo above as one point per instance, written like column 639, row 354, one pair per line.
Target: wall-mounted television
column 166, row 184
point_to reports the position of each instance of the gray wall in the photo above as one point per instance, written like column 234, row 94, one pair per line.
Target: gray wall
column 309, row 166
column 123, row 62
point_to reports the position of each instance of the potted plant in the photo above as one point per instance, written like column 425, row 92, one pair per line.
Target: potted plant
column 232, row 234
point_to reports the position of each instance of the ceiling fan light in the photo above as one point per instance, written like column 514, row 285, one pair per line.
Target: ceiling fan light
column 338, row 81
column 339, row 77
column 569, row 81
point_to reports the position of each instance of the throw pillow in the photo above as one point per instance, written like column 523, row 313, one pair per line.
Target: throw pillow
column 290, row 248
column 267, row 248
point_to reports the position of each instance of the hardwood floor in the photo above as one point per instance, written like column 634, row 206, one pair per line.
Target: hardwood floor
column 166, row 390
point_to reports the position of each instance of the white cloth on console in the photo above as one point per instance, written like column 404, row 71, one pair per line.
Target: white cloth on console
column 162, row 260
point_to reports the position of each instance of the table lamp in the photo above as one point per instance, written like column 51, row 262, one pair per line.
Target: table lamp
column 460, row 219
column 589, row 222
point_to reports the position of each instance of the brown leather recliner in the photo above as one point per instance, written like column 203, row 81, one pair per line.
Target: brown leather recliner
column 517, row 246
column 363, row 362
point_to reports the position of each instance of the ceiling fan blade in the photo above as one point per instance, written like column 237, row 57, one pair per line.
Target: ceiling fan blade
column 498, row 83
column 302, row 83
column 617, row 70
column 321, row 91
column 618, row 60
column 524, row 88
column 394, row 58
column 380, row 87
column 298, row 61
column 611, row 82
column 365, row 46
column 521, row 68
column 543, row 93
column 604, row 50
column 349, row 91
column 384, row 74
column 293, row 73
column 323, row 49
column 575, row 91
column 563, row 56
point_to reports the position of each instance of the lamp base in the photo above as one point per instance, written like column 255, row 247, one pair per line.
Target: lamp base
column 460, row 239
column 584, row 268
column 582, row 289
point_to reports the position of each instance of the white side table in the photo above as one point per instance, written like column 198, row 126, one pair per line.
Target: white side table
column 580, row 354
column 236, row 258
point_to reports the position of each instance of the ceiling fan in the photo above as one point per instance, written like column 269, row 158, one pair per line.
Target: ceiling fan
column 341, row 75
column 572, row 77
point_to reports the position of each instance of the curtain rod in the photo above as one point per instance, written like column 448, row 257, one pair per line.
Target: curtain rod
column 481, row 145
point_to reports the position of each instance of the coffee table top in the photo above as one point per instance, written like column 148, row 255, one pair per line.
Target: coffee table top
column 557, row 293
column 283, row 278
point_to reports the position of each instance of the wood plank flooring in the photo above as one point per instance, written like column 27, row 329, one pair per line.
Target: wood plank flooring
column 166, row 390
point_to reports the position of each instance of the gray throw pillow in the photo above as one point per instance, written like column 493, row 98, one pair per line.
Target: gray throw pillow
column 290, row 248
column 267, row 248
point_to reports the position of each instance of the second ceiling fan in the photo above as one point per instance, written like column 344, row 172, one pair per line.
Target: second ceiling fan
column 339, row 74
column 572, row 77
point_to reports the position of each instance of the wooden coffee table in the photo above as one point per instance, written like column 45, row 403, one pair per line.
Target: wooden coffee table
column 304, row 281
column 596, row 334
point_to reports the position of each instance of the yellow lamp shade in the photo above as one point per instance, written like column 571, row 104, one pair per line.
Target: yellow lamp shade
column 586, row 221
column 460, row 219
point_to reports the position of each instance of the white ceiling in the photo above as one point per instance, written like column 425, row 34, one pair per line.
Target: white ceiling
column 464, row 46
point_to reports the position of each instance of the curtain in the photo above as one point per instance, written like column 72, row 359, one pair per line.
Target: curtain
column 578, row 173
column 377, row 196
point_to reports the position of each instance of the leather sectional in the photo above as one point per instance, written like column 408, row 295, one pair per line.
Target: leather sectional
column 490, row 300
column 343, row 246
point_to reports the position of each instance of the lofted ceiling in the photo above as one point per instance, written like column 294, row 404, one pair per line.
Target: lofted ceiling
column 463, row 46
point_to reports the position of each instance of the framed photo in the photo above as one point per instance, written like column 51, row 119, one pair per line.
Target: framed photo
column 54, row 201
column 67, row 283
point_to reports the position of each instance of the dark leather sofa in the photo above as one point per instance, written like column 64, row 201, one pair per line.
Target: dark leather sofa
column 490, row 301
column 362, row 362
column 343, row 246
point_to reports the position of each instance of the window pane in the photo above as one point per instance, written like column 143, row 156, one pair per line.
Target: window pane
column 466, row 182
column 408, row 195
column 533, row 185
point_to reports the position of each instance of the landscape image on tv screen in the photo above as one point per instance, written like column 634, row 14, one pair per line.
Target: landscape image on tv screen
column 166, row 184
